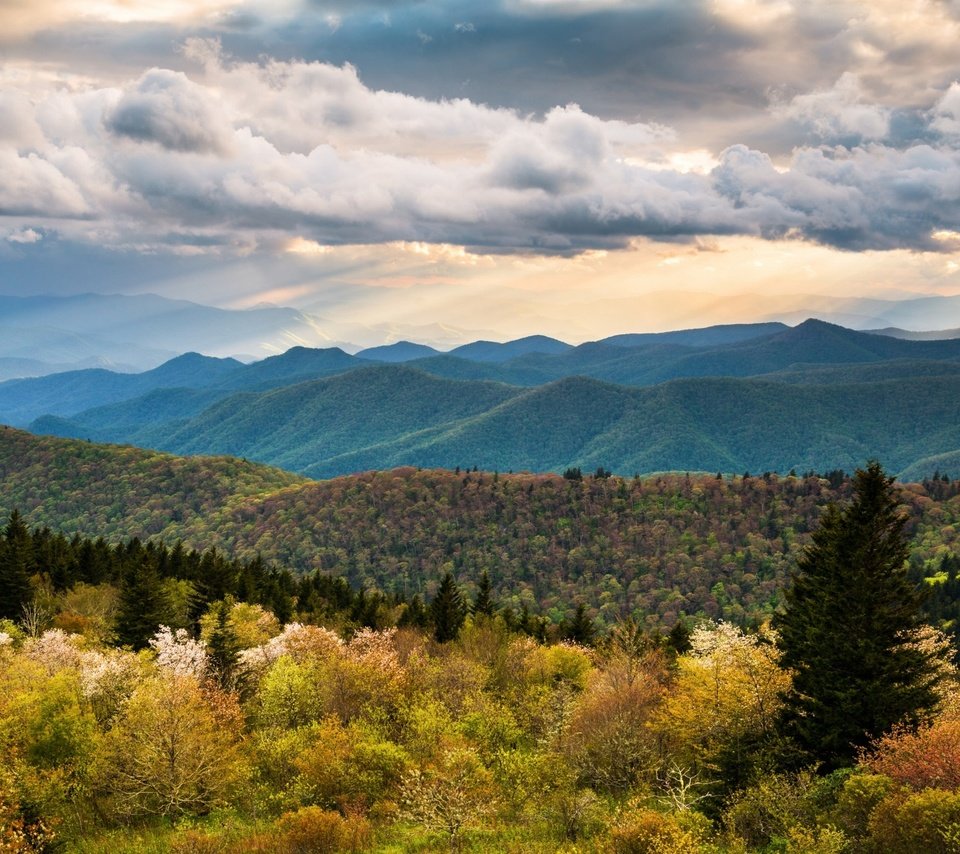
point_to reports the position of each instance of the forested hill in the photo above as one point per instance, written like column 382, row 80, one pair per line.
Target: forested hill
column 816, row 396
column 114, row 491
column 659, row 546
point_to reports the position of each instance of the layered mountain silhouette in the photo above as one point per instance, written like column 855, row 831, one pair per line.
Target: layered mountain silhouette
column 747, row 397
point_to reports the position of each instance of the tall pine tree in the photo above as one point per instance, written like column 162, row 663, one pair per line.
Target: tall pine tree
column 483, row 603
column 580, row 629
column 851, row 612
column 223, row 647
column 447, row 610
column 143, row 605
column 16, row 557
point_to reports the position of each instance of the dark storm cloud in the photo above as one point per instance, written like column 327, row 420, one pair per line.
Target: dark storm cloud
column 628, row 62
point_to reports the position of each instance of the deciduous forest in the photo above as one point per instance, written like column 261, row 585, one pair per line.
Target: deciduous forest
column 156, row 697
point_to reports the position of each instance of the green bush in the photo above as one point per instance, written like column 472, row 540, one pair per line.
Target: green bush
column 928, row 822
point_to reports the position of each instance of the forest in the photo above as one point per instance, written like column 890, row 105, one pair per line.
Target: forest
column 656, row 549
column 159, row 698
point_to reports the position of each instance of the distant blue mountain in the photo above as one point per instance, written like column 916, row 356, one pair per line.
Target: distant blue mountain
column 708, row 336
column 491, row 351
column 812, row 396
column 401, row 351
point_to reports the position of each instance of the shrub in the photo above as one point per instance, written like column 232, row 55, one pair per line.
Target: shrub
column 857, row 799
column 639, row 830
column 927, row 821
column 926, row 759
column 313, row 830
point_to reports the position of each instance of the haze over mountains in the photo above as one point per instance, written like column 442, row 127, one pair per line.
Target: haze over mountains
column 750, row 397
column 41, row 335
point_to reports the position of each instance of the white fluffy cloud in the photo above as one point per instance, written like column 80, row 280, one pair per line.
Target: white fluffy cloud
column 243, row 154
column 840, row 112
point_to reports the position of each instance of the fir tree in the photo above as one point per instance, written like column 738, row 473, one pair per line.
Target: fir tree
column 447, row 610
column 483, row 603
column 678, row 638
column 16, row 552
column 581, row 628
column 143, row 606
column 851, row 612
column 223, row 648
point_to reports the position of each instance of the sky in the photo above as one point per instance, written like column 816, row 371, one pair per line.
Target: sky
column 570, row 167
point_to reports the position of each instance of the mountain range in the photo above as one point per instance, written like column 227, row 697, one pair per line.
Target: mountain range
column 754, row 397
column 129, row 333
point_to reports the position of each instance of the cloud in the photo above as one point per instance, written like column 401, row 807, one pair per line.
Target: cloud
column 840, row 113
column 33, row 186
column 254, row 154
column 166, row 108
column 945, row 115
column 24, row 235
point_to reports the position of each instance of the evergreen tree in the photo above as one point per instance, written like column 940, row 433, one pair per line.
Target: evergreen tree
column 678, row 638
column 223, row 648
column 483, row 603
column 850, row 614
column 447, row 610
column 16, row 553
column 581, row 628
column 415, row 615
column 142, row 607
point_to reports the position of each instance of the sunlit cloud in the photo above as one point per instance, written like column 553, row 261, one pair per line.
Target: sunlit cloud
column 302, row 246
column 511, row 165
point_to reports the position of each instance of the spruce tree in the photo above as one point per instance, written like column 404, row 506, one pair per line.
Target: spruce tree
column 16, row 553
column 483, row 603
column 143, row 605
column 850, row 614
column 581, row 628
column 447, row 610
column 678, row 638
column 223, row 648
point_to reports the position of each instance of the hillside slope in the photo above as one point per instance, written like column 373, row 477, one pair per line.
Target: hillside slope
column 386, row 416
column 656, row 547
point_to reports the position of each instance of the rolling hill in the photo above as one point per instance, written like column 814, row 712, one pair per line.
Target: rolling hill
column 386, row 416
column 656, row 547
column 401, row 351
column 814, row 396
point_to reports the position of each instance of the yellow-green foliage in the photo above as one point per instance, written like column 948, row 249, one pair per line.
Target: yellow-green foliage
column 386, row 741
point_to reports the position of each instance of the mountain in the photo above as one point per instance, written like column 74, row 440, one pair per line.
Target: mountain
column 295, row 365
column 492, row 351
column 709, row 424
column 658, row 358
column 324, row 412
column 65, row 350
column 391, row 415
column 908, row 335
column 15, row 368
column 401, row 351
column 297, row 426
column 709, row 336
column 123, row 491
column 21, row 401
